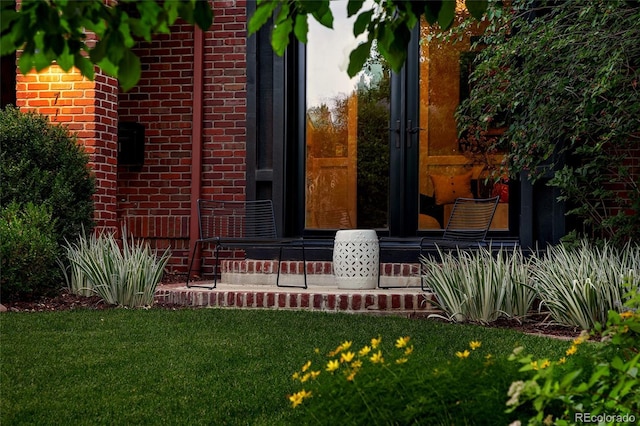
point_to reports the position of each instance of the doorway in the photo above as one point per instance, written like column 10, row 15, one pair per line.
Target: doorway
column 381, row 149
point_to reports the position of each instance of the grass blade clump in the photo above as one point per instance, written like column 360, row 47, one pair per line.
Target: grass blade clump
column 579, row 286
column 519, row 294
column 477, row 286
column 127, row 276
column 75, row 278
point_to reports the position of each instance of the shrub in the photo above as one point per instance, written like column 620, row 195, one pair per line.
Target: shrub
column 127, row 276
column 580, row 286
column 562, row 392
column 561, row 78
column 42, row 163
column 27, row 251
column 477, row 286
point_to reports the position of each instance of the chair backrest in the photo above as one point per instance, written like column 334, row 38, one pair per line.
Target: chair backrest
column 470, row 219
column 236, row 219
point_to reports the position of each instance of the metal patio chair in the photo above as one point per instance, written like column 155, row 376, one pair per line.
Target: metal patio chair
column 245, row 225
column 467, row 228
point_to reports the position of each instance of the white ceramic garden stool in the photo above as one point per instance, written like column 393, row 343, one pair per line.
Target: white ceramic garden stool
column 356, row 258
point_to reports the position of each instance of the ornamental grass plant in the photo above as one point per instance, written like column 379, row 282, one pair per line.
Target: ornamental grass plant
column 579, row 286
column 126, row 276
column 74, row 276
column 475, row 285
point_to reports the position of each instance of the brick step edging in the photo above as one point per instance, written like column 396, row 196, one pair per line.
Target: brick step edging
column 320, row 301
column 252, row 266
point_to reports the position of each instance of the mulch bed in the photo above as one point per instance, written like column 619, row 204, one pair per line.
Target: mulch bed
column 66, row 301
column 538, row 323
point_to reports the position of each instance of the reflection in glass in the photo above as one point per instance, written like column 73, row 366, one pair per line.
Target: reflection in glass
column 347, row 153
column 446, row 170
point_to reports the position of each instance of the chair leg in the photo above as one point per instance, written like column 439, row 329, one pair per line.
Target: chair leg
column 193, row 257
column 216, row 267
column 304, row 266
column 279, row 262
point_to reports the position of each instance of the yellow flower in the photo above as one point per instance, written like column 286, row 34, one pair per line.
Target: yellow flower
column 474, row 345
column 377, row 358
column 546, row 363
column 347, row 356
column 562, row 360
column 305, row 377
column 306, row 366
column 584, row 336
column 341, row 347
column 364, row 351
column 626, row 314
column 376, row 342
column 296, row 376
column 402, row 341
column 572, row 350
column 534, row 365
column 401, row 360
column 356, row 364
column 351, row 375
column 408, row 350
column 464, row 354
column 333, row 365
column 297, row 398
column 315, row 374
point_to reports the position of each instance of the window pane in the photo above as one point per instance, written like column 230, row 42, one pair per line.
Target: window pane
column 447, row 171
column 347, row 153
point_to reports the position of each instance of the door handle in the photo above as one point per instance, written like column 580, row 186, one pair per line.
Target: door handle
column 411, row 131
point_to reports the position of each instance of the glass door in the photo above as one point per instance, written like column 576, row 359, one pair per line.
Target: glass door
column 347, row 136
column 382, row 150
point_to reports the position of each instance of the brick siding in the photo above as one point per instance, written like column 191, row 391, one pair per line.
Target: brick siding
column 154, row 201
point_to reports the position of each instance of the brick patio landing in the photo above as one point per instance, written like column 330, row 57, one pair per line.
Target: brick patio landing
column 412, row 302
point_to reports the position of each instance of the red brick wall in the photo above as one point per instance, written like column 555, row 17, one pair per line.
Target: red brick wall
column 225, row 103
column 87, row 108
column 155, row 200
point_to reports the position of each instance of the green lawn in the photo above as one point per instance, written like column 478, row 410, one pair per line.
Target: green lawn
column 204, row 366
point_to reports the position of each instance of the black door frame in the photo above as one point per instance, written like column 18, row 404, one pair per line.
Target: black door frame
column 404, row 143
